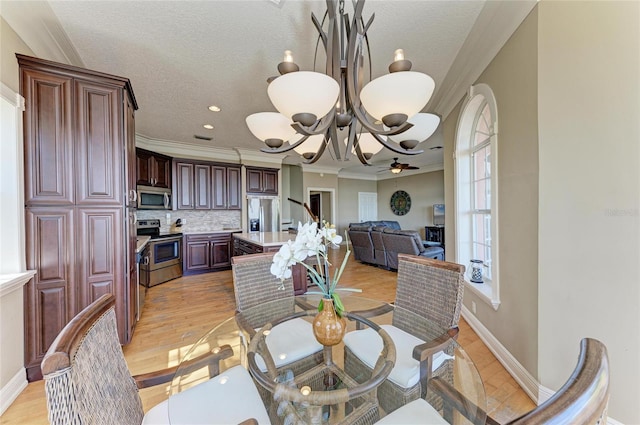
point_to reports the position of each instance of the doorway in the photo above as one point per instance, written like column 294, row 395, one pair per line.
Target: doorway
column 322, row 203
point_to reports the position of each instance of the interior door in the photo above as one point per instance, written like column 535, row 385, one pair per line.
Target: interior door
column 367, row 206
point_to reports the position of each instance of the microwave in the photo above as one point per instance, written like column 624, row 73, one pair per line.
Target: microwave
column 153, row 198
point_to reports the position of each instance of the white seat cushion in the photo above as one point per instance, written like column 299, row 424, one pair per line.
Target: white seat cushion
column 367, row 345
column 290, row 341
column 413, row 413
column 228, row 398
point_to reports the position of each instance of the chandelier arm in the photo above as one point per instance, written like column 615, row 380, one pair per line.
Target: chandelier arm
column 318, row 128
column 332, row 134
column 395, row 148
column 318, row 154
column 321, row 34
column 285, row 148
column 351, row 137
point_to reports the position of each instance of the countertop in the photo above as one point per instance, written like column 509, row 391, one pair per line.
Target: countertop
column 266, row 238
column 142, row 242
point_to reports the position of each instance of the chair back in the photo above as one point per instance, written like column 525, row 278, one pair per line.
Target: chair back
column 583, row 399
column 254, row 285
column 428, row 288
column 86, row 376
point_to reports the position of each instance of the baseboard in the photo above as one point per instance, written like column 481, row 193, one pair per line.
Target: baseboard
column 526, row 381
column 12, row 390
column 538, row 393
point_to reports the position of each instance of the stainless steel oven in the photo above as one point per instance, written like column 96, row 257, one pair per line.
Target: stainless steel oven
column 164, row 259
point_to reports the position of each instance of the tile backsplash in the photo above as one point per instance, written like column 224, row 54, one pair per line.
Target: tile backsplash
column 194, row 220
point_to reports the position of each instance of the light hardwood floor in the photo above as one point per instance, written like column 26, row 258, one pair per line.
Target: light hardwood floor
column 177, row 313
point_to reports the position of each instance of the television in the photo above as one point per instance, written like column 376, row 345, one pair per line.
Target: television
column 438, row 214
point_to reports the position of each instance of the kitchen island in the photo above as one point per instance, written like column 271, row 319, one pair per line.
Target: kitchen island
column 256, row 242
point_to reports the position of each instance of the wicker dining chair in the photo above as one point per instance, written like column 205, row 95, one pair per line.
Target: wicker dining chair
column 254, row 285
column 87, row 380
column 582, row 400
column 429, row 288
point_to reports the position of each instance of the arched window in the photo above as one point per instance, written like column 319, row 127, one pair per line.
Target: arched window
column 476, row 191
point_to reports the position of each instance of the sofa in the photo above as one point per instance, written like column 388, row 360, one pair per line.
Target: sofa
column 379, row 244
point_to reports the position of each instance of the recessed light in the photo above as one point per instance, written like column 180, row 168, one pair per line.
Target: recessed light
column 214, row 108
column 208, row 126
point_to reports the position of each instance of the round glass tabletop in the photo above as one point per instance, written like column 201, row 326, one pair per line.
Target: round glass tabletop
column 301, row 381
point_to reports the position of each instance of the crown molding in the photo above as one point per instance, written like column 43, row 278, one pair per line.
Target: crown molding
column 430, row 168
column 496, row 23
column 250, row 155
column 39, row 27
column 15, row 99
column 187, row 150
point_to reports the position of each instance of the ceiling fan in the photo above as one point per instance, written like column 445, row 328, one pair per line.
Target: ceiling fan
column 398, row 167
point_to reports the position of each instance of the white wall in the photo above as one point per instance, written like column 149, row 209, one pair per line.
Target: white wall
column 589, row 196
column 12, row 252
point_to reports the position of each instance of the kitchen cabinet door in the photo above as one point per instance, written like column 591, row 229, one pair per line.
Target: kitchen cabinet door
column 48, row 138
column 98, row 145
column 184, row 190
column 202, row 187
column 221, row 252
column 197, row 255
column 234, row 194
column 50, row 297
column 219, row 174
column 130, row 157
column 270, row 182
column 254, row 180
column 99, row 264
column 162, row 171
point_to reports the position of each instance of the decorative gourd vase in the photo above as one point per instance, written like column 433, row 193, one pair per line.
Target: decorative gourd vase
column 328, row 327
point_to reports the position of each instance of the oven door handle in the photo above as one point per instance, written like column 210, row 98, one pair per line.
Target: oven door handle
column 166, row 201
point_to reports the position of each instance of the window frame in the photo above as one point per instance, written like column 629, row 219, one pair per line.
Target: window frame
column 478, row 97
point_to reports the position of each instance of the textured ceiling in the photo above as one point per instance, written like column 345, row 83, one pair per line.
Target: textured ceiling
column 182, row 56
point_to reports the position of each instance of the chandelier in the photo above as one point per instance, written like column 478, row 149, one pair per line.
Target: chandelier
column 314, row 107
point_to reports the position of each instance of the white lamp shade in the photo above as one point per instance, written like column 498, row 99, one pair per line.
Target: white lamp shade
column 310, row 145
column 405, row 92
column 304, row 92
column 368, row 144
column 270, row 125
column 424, row 125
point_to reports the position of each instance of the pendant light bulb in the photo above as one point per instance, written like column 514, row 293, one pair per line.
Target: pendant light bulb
column 288, row 56
column 398, row 55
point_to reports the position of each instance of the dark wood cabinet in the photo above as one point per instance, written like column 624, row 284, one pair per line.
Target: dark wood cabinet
column 234, row 191
column 183, row 193
column 49, row 174
column 79, row 144
column 262, row 181
column 204, row 185
column 206, row 252
column 153, row 169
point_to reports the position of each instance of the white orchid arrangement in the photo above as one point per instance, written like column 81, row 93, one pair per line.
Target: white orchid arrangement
column 311, row 241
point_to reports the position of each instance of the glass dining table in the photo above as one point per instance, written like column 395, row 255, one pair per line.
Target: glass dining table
column 329, row 389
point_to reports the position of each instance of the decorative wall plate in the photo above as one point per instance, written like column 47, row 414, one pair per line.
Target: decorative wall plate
column 400, row 202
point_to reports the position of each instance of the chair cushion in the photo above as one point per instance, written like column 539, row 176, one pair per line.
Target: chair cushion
column 366, row 344
column 416, row 412
column 228, row 398
column 290, row 341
